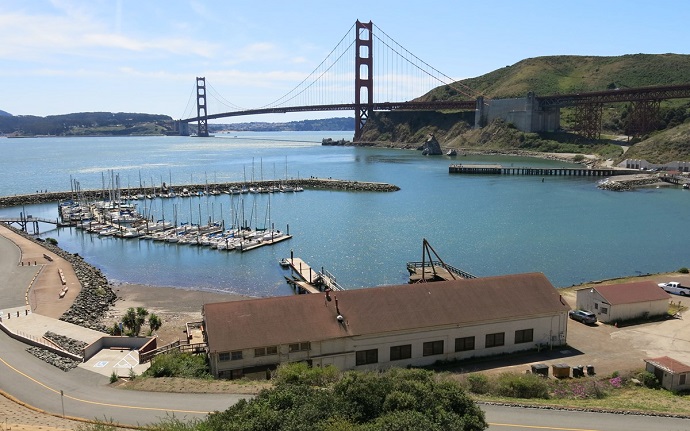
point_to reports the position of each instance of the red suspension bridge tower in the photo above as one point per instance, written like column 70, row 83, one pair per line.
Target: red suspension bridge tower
column 201, row 111
column 364, row 76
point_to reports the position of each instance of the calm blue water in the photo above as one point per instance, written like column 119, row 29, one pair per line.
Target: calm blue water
column 486, row 225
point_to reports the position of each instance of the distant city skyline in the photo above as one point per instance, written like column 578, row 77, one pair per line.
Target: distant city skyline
column 65, row 56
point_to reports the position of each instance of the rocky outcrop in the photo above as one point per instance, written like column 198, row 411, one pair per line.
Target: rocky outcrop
column 331, row 142
column 431, row 147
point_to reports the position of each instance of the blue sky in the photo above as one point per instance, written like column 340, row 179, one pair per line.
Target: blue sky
column 66, row 56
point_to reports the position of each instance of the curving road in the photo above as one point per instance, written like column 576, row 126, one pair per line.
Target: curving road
column 86, row 395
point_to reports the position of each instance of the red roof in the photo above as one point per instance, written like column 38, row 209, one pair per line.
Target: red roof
column 630, row 293
column 377, row 310
column 669, row 364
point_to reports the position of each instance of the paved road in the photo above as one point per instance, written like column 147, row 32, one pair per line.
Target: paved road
column 502, row 418
column 86, row 394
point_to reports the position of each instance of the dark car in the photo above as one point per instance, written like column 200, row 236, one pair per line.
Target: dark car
column 583, row 316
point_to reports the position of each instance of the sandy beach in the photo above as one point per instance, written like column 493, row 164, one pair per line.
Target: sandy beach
column 175, row 306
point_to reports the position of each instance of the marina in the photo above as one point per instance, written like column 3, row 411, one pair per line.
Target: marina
column 485, row 225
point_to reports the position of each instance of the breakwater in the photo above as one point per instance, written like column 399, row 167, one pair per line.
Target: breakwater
column 306, row 183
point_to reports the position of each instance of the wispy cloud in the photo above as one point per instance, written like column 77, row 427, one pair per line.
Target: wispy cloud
column 41, row 37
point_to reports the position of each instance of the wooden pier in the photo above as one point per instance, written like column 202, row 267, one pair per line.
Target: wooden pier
column 524, row 170
column 309, row 280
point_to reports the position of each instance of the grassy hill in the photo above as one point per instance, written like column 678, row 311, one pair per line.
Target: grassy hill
column 665, row 146
column 572, row 74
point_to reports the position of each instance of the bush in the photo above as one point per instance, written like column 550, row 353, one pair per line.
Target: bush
column 52, row 241
column 522, row 386
column 113, row 377
column 478, row 383
column 301, row 373
column 176, row 364
column 649, row 380
column 684, row 270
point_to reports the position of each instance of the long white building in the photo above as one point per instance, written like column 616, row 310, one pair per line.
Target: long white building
column 380, row 327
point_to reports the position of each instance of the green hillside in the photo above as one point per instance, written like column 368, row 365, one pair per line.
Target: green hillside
column 663, row 147
column 572, row 74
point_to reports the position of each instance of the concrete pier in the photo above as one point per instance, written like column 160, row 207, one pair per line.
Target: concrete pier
column 524, row 170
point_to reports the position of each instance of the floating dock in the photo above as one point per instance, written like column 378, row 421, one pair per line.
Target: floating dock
column 309, row 280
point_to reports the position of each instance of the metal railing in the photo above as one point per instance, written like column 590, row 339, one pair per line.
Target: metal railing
column 412, row 266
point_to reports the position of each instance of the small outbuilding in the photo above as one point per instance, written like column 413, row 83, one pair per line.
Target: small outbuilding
column 625, row 301
column 672, row 374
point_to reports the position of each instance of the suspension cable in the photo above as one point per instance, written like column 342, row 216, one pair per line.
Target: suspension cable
column 281, row 99
column 467, row 90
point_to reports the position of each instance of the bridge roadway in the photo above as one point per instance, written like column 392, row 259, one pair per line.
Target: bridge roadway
column 382, row 106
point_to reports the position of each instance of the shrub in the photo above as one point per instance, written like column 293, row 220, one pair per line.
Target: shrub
column 52, row 241
column 649, row 380
column 522, row 386
column 176, row 364
column 302, row 373
column 684, row 270
column 478, row 383
column 113, row 377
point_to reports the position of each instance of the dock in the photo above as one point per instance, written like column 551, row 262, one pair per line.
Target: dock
column 310, row 280
column 435, row 271
column 524, row 170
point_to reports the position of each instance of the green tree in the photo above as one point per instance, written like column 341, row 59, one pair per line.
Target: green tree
column 134, row 319
column 155, row 323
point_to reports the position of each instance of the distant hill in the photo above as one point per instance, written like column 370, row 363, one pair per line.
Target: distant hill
column 4, row 114
column 344, row 124
column 86, row 123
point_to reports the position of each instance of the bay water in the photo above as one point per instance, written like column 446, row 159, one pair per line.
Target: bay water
column 487, row 225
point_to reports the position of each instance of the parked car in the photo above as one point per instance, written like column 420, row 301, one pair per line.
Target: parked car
column 583, row 316
column 675, row 287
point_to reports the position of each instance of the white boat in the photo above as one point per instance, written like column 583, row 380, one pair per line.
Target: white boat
column 284, row 262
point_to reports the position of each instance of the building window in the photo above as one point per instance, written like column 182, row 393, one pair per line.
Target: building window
column 433, row 348
column 604, row 310
column 524, row 336
column 364, row 357
column 224, row 356
column 495, row 340
column 264, row 351
column 596, row 305
column 401, row 352
column 464, row 344
column 300, row 347
column 681, row 379
column 236, row 355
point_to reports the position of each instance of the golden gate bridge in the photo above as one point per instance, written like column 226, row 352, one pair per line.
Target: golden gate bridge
column 401, row 75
